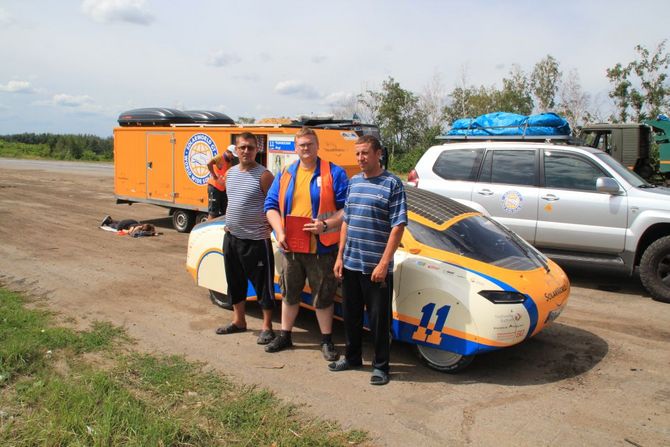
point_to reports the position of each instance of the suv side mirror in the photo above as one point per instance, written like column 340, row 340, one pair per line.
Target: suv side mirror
column 607, row 185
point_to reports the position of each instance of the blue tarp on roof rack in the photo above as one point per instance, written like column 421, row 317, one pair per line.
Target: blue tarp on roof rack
column 510, row 124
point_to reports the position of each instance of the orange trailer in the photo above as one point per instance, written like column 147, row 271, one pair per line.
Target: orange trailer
column 161, row 155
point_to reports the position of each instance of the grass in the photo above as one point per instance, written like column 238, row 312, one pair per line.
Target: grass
column 62, row 387
column 12, row 149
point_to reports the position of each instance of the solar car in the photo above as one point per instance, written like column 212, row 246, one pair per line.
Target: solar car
column 463, row 284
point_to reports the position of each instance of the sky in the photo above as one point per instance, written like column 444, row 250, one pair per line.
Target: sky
column 71, row 66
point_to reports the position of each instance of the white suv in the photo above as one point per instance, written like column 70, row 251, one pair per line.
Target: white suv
column 576, row 204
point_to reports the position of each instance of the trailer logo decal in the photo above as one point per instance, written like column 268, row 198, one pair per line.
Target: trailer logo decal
column 199, row 149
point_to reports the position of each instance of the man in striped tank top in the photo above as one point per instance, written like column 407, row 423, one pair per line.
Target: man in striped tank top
column 375, row 216
column 247, row 246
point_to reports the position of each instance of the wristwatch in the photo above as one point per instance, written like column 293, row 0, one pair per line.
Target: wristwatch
column 325, row 225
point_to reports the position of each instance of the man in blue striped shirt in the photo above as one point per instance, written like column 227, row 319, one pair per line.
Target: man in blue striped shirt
column 375, row 215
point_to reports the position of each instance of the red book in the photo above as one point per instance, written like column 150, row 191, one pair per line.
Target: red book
column 297, row 239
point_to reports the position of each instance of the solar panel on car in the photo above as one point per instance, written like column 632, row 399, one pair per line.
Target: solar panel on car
column 434, row 207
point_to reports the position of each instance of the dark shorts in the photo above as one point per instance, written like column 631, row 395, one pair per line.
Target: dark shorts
column 217, row 201
column 249, row 260
column 317, row 269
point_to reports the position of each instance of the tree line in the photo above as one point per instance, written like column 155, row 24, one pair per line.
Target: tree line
column 409, row 121
column 57, row 146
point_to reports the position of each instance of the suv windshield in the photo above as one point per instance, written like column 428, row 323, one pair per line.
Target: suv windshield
column 620, row 169
column 479, row 238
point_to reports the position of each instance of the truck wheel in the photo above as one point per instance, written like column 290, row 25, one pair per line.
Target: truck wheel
column 183, row 220
column 645, row 171
column 443, row 361
column 220, row 299
column 655, row 269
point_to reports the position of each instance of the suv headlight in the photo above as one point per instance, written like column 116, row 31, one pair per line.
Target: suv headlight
column 503, row 297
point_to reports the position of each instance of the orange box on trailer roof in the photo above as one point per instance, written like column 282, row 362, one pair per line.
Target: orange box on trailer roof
column 161, row 155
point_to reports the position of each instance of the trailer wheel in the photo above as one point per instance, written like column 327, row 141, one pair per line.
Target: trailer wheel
column 655, row 269
column 443, row 361
column 220, row 299
column 183, row 220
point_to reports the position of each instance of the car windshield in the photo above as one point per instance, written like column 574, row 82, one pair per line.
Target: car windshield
column 628, row 175
column 479, row 238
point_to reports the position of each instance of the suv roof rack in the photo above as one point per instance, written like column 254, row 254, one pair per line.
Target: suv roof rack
column 537, row 138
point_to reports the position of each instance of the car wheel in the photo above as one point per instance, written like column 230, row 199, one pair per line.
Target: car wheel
column 183, row 220
column 443, row 361
column 220, row 299
column 201, row 218
column 655, row 269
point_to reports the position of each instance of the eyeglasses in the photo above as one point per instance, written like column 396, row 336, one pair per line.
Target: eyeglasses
column 246, row 148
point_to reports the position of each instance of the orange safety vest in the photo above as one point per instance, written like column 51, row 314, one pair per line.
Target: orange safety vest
column 326, row 201
column 219, row 173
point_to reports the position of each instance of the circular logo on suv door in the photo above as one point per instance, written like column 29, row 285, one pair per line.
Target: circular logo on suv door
column 512, row 201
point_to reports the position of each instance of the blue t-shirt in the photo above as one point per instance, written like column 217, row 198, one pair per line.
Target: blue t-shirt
column 373, row 207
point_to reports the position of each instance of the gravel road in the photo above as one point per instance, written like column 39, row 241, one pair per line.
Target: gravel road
column 598, row 376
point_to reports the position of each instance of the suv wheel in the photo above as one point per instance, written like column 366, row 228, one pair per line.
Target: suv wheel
column 655, row 269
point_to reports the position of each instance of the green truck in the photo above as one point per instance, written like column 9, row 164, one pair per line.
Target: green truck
column 632, row 144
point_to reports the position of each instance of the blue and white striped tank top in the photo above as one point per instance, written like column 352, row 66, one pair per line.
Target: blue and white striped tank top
column 244, row 216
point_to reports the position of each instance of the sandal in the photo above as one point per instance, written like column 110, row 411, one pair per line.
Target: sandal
column 265, row 337
column 379, row 377
column 230, row 329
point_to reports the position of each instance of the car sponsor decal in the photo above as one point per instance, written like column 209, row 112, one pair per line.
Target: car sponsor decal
column 512, row 202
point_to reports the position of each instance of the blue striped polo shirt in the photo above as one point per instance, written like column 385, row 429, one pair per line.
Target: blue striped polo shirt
column 373, row 207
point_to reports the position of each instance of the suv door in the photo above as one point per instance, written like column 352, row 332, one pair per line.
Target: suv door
column 508, row 189
column 572, row 214
column 456, row 171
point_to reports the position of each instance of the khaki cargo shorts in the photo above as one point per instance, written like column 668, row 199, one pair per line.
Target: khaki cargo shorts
column 317, row 269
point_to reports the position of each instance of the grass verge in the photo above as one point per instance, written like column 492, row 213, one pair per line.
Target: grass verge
column 62, row 387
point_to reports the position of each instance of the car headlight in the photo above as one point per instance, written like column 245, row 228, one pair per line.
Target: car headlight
column 503, row 296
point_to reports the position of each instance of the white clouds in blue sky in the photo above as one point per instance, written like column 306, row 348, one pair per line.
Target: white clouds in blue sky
column 73, row 66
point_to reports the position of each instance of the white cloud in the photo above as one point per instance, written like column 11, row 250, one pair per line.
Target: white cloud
column 251, row 77
column 338, row 98
column 78, row 104
column 318, row 59
column 17, row 87
column 107, row 11
column 222, row 59
column 5, row 18
column 296, row 88
column 63, row 99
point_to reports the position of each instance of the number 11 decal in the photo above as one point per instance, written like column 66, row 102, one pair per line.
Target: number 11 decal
column 433, row 336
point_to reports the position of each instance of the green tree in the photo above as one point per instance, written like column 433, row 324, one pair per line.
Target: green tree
column 544, row 83
column 574, row 104
column 646, row 94
column 470, row 102
column 515, row 97
column 397, row 113
column 651, row 69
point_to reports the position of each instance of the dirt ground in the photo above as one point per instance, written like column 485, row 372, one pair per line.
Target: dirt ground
column 598, row 376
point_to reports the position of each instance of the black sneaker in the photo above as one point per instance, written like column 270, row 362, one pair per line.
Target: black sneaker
column 329, row 352
column 279, row 343
column 105, row 221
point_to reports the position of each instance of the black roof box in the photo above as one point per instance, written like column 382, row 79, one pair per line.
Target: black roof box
column 209, row 117
column 153, row 116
